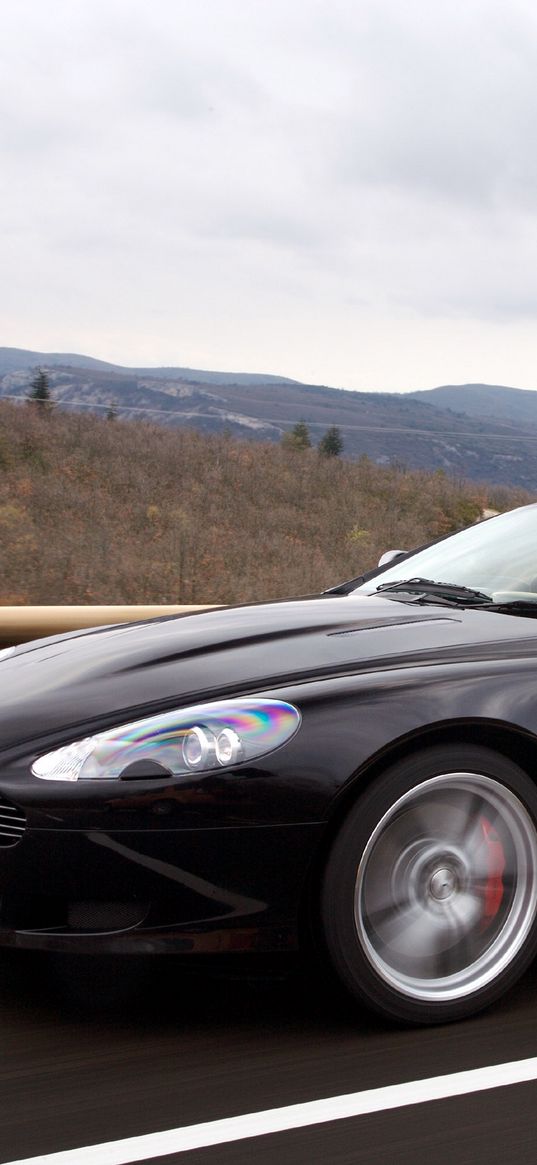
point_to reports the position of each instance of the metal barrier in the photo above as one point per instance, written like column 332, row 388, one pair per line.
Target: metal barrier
column 20, row 624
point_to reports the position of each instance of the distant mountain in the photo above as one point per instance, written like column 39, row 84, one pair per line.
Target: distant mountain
column 419, row 429
column 17, row 359
column 518, row 405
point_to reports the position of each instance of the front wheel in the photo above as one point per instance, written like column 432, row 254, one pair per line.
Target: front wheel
column 429, row 899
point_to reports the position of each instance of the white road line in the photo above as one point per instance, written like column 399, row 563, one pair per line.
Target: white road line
column 293, row 1116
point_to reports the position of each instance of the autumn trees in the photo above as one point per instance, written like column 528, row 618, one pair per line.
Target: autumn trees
column 132, row 512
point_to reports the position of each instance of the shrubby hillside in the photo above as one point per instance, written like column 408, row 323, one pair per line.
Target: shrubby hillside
column 110, row 511
column 497, row 442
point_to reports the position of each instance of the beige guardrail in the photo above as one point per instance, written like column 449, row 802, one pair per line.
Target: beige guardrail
column 20, row 624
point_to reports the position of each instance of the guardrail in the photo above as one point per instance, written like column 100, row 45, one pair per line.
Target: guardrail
column 20, row 624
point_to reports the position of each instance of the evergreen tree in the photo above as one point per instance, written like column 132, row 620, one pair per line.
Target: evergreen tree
column 40, row 393
column 331, row 445
column 111, row 413
column 298, row 437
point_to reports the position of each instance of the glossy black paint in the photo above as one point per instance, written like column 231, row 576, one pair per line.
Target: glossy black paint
column 224, row 860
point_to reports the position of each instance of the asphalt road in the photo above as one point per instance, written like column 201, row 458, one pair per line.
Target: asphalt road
column 89, row 1056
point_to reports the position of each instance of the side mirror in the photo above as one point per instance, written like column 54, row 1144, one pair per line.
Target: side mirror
column 391, row 556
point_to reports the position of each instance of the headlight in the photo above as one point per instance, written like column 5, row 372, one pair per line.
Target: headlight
column 6, row 652
column 208, row 736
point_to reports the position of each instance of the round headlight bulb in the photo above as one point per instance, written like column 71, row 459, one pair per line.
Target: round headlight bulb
column 199, row 749
column 229, row 748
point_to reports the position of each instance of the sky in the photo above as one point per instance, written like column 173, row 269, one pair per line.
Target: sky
column 342, row 192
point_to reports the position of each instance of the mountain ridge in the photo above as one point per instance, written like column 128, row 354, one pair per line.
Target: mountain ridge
column 389, row 428
column 15, row 359
column 499, row 400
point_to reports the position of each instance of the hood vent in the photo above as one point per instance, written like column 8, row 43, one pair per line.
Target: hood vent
column 12, row 823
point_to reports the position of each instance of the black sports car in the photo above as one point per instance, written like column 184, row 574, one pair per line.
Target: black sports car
column 350, row 773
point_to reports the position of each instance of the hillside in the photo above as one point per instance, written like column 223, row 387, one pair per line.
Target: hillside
column 420, row 430
column 97, row 511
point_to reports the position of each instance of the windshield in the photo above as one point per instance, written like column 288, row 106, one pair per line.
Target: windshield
column 497, row 557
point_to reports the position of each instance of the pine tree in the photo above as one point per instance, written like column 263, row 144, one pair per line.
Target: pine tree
column 39, row 393
column 298, row 437
column 331, row 445
column 111, row 412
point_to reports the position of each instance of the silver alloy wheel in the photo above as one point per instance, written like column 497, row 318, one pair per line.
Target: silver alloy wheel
column 445, row 892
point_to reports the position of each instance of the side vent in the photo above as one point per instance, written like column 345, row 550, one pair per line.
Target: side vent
column 12, row 823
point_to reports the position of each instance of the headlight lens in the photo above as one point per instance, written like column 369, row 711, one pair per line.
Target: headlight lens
column 207, row 736
column 199, row 749
column 229, row 750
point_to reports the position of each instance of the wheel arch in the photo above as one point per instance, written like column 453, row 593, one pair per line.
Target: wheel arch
column 513, row 743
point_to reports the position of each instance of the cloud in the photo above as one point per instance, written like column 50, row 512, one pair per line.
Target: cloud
column 174, row 173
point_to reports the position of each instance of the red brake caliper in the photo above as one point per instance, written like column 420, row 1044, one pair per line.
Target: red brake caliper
column 495, row 867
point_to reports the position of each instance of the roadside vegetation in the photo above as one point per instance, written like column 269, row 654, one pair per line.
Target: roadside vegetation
column 107, row 511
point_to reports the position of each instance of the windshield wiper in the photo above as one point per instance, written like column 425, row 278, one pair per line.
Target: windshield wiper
column 514, row 605
column 426, row 588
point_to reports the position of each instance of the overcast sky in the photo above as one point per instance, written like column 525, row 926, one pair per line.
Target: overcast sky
column 344, row 192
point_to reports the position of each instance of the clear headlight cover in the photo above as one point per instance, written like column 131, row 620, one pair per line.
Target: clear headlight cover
column 206, row 736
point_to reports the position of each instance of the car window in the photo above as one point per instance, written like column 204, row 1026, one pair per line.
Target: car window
column 497, row 555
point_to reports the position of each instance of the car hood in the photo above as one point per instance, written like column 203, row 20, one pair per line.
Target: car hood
column 57, row 684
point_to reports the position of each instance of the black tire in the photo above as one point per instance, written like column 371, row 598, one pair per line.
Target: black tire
column 429, row 896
